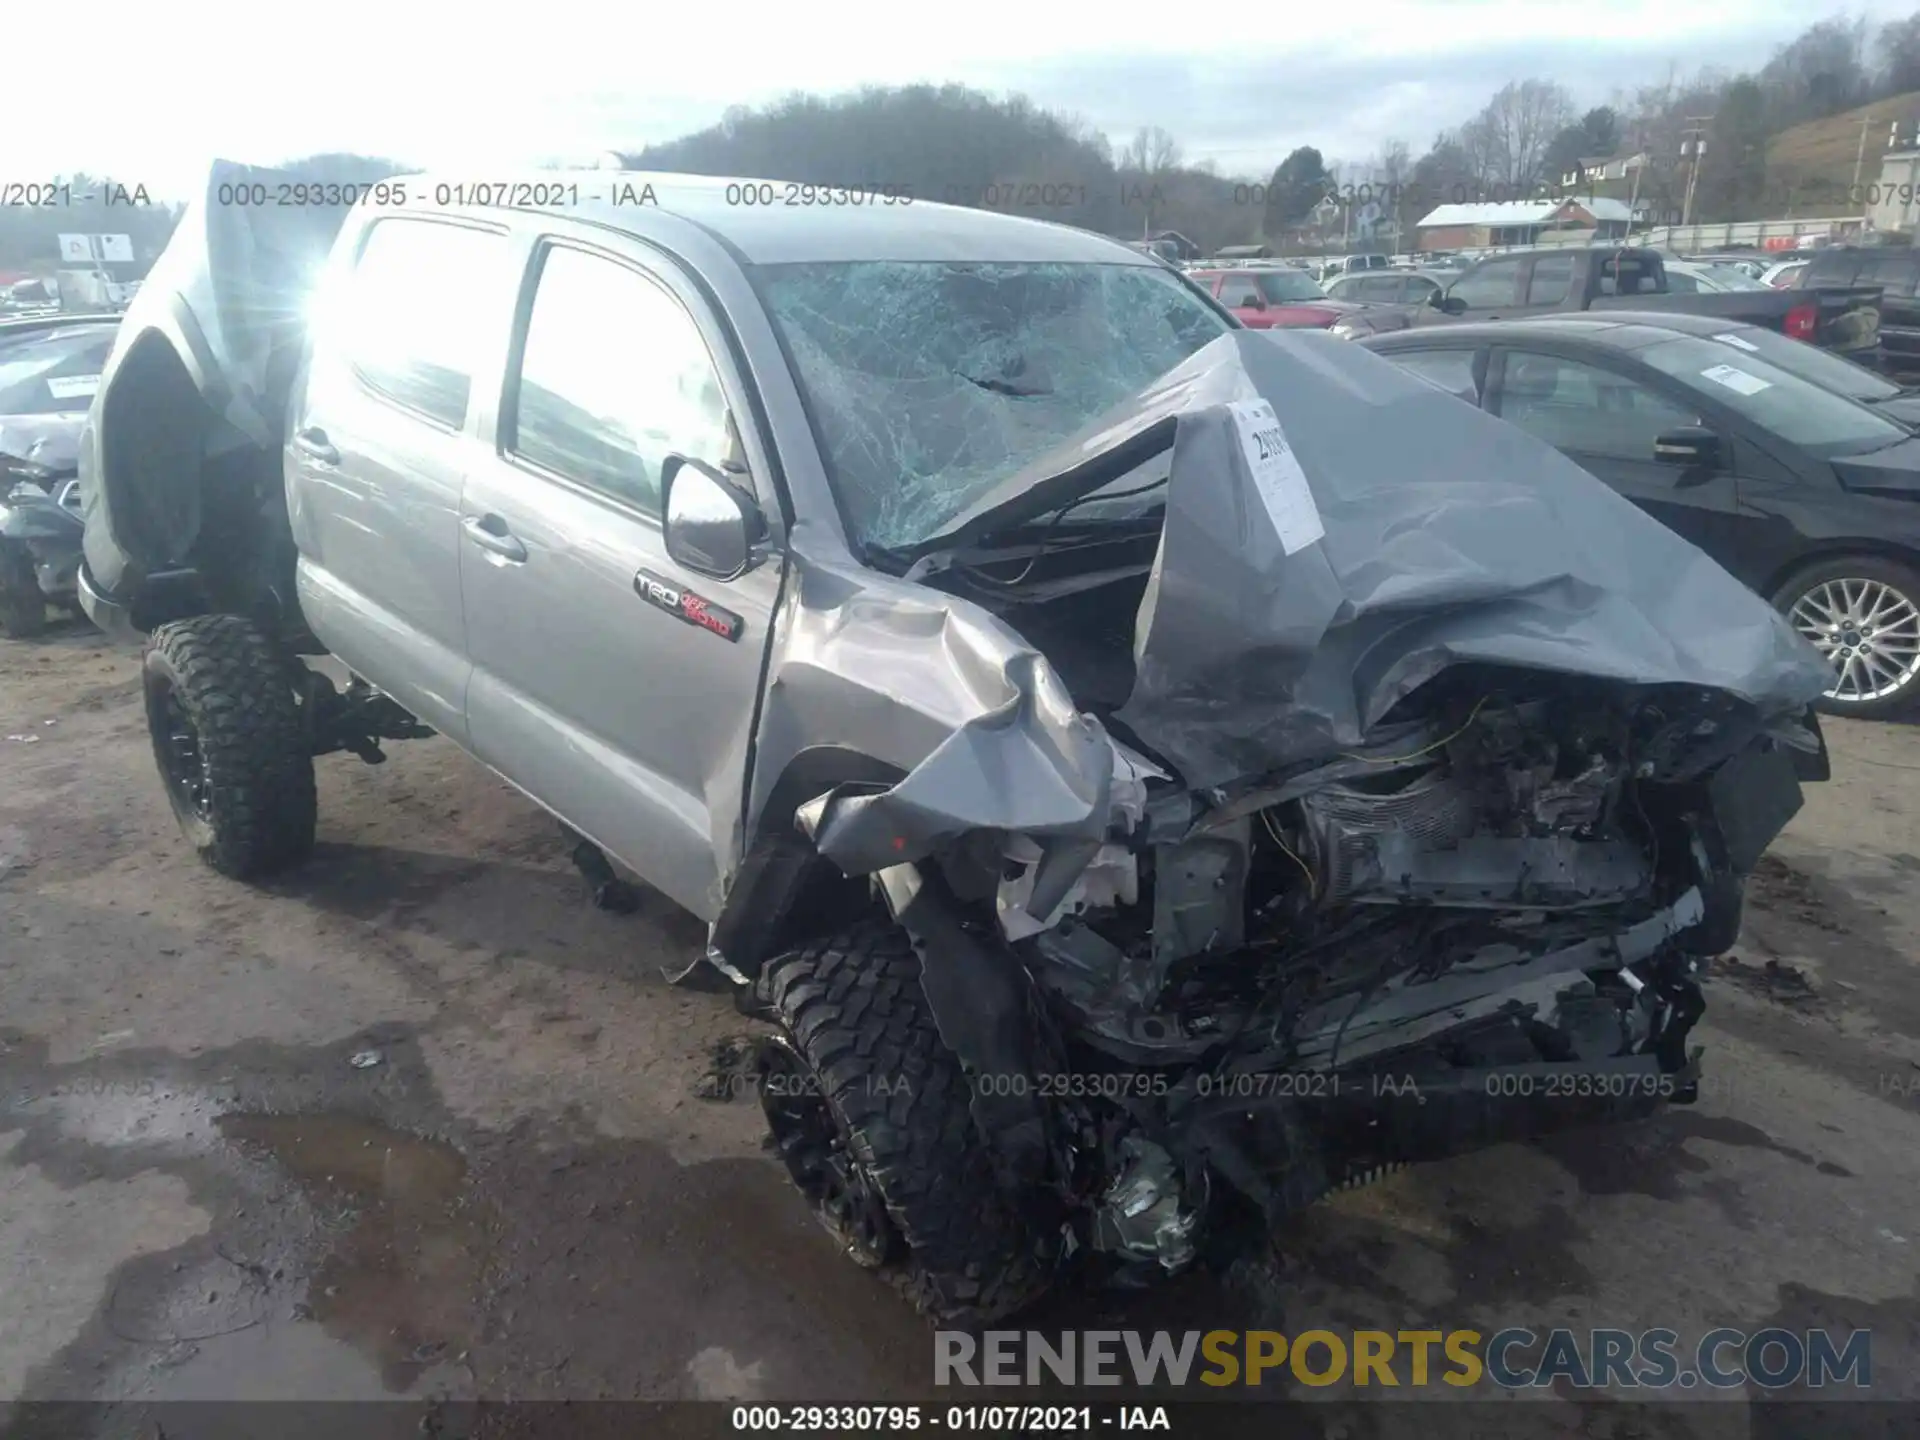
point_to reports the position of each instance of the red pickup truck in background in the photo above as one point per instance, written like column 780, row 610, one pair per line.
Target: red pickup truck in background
column 1273, row 297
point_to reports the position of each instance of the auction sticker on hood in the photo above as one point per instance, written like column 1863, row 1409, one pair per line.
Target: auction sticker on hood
column 1735, row 379
column 72, row 387
column 1277, row 475
column 1738, row 343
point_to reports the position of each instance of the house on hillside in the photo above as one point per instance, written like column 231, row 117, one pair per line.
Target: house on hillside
column 1609, row 175
column 1174, row 244
column 1523, row 222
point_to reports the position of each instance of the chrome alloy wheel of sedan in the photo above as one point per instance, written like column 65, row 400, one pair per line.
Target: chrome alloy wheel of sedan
column 1870, row 633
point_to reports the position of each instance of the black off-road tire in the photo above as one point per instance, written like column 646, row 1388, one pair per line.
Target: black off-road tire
column 23, row 608
column 853, row 1010
column 249, row 807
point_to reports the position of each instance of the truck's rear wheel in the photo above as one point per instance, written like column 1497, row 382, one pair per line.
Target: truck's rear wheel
column 870, row 1112
column 229, row 743
column 23, row 609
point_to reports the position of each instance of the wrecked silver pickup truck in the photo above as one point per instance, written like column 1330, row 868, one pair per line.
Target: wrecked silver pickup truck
column 1149, row 774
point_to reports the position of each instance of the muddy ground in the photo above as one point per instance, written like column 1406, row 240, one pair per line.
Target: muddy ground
column 418, row 1120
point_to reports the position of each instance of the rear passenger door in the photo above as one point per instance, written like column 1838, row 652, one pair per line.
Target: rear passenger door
column 379, row 448
column 587, row 691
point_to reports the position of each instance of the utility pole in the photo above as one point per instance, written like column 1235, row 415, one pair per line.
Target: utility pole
column 1693, row 145
column 1860, row 155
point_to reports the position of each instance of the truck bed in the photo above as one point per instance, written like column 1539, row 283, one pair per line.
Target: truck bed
column 1847, row 320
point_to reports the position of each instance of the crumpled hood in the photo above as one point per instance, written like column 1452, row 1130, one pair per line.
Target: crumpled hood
column 52, row 441
column 1449, row 537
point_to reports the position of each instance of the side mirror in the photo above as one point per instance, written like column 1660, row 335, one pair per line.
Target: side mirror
column 1448, row 304
column 1255, row 301
column 1692, row 447
column 712, row 525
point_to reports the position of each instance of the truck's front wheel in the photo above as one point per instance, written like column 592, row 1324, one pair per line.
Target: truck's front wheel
column 230, row 746
column 870, row 1111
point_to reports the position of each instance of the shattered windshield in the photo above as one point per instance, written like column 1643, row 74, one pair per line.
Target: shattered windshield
column 930, row 382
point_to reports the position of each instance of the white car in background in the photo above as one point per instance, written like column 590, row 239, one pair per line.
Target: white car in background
column 1784, row 275
column 1689, row 277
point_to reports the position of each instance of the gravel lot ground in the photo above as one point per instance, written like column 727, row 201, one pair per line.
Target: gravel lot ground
column 532, row 1191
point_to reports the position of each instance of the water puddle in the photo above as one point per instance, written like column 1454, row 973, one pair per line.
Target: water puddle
column 406, row 1257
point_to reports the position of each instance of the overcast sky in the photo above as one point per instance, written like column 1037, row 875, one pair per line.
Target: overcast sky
column 472, row 87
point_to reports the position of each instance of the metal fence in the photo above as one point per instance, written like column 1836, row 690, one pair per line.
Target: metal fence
column 1760, row 234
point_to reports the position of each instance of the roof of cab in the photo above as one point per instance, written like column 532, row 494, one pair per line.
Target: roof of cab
column 792, row 222
column 1619, row 329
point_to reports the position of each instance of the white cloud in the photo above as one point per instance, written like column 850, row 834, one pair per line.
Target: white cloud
column 471, row 87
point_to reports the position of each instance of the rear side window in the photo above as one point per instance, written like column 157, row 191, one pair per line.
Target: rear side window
column 420, row 309
column 1892, row 270
column 1833, row 267
column 614, row 377
column 1552, row 278
column 1239, row 290
column 1489, row 286
column 1450, row 370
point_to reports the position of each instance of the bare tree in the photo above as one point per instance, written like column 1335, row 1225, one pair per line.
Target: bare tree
column 1507, row 141
column 1151, row 152
column 1392, row 177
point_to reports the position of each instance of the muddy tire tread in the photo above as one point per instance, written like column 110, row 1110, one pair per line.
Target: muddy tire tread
column 854, row 1007
column 234, row 686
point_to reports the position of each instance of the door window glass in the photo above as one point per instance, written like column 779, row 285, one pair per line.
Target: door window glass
column 614, row 377
column 1584, row 408
column 1487, row 287
column 1238, row 291
column 1451, row 370
column 1552, row 278
column 418, row 310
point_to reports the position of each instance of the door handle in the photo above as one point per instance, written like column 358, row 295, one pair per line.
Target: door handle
column 313, row 440
column 490, row 533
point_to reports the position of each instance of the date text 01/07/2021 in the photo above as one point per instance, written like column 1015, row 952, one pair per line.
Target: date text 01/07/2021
column 988, row 1419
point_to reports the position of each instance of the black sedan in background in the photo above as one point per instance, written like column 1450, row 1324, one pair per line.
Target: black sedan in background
column 1807, row 495
column 1819, row 367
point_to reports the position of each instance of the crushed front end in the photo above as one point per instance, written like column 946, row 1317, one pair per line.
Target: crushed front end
column 1293, row 840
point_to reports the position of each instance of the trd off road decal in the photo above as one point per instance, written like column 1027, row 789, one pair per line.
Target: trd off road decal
column 687, row 606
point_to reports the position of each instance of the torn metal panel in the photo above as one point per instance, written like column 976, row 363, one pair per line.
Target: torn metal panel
column 1410, row 1008
column 980, row 722
column 1450, row 537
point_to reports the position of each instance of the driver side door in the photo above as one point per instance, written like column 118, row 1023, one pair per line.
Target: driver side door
column 612, row 683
